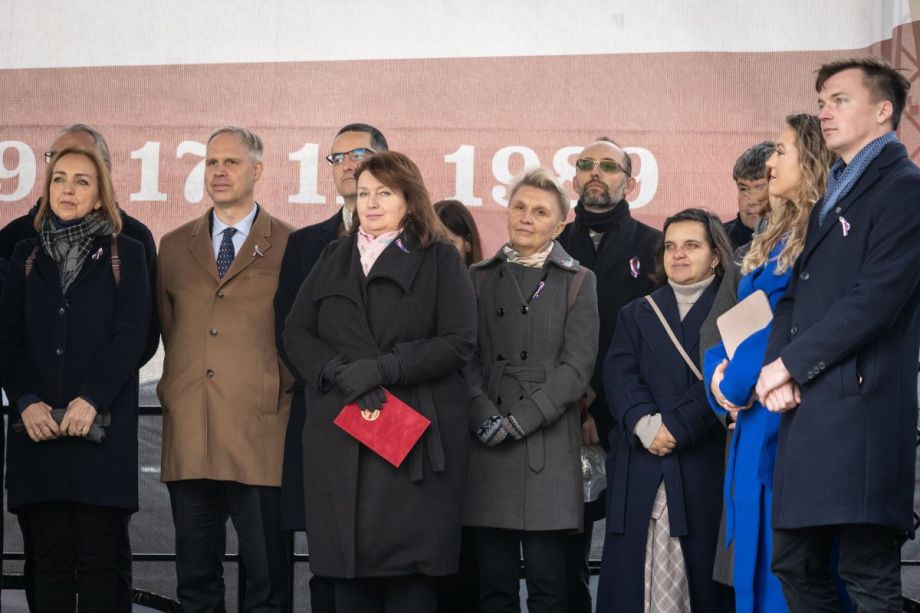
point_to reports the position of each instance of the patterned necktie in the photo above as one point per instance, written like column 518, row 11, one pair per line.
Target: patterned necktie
column 226, row 252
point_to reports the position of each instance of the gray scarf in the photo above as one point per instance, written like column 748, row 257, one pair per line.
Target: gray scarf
column 70, row 245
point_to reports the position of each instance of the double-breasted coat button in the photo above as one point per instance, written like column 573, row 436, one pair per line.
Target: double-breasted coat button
column 213, row 331
column 524, row 309
column 500, row 312
column 220, row 293
column 523, row 355
column 498, row 400
column 499, row 357
column 210, row 373
column 794, row 330
column 804, row 275
column 59, row 351
column 61, row 310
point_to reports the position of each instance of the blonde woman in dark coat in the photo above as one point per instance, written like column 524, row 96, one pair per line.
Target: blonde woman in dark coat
column 538, row 335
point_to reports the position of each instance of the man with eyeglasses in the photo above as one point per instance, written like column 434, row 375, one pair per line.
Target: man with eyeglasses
column 750, row 176
column 621, row 252
column 353, row 143
column 86, row 137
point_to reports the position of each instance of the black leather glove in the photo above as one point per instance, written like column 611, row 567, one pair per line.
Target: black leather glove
column 329, row 371
column 357, row 378
column 372, row 400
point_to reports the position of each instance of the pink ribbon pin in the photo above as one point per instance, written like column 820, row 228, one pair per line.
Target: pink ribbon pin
column 844, row 226
column 634, row 266
column 257, row 252
column 98, row 254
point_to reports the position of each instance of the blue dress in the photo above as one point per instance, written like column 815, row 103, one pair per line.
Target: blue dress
column 749, row 471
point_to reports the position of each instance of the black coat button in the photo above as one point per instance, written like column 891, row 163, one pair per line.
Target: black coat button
column 61, row 311
column 59, row 351
column 523, row 355
column 498, row 400
column 213, row 331
column 804, row 275
column 499, row 358
column 794, row 330
column 524, row 309
column 500, row 312
column 220, row 293
column 210, row 373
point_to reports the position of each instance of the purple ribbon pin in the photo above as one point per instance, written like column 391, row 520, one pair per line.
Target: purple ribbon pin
column 257, row 252
column 98, row 254
column 401, row 245
column 634, row 266
column 844, row 226
column 536, row 294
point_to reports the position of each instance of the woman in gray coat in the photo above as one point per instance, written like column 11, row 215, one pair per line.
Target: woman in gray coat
column 538, row 335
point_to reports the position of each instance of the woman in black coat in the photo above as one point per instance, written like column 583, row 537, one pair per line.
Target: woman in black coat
column 665, row 464
column 389, row 306
column 74, row 317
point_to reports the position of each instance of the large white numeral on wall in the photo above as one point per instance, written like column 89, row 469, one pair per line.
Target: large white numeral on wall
column 194, row 184
column 308, row 157
column 563, row 168
column 149, row 155
column 463, row 158
column 24, row 170
column 647, row 179
column 501, row 163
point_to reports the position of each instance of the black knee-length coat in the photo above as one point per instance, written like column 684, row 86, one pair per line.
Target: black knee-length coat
column 644, row 374
column 86, row 342
column 365, row 518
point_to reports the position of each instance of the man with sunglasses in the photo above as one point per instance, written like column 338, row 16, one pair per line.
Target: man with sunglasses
column 353, row 143
column 621, row 252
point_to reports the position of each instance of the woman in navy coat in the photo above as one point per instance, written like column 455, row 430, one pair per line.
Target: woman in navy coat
column 666, row 460
column 798, row 175
column 74, row 318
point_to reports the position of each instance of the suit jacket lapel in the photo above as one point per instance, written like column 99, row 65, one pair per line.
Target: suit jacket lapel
column 255, row 246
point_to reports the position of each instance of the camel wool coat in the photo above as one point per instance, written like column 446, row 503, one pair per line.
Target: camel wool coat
column 224, row 390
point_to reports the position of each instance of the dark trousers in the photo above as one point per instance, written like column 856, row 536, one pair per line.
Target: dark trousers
column 577, row 550
column 869, row 564
column 498, row 553
column 76, row 549
column 460, row 593
column 322, row 594
column 410, row 594
column 200, row 509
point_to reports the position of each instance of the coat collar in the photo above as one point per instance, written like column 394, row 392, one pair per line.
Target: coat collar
column 98, row 256
column 257, row 244
column 399, row 262
column 892, row 153
column 557, row 257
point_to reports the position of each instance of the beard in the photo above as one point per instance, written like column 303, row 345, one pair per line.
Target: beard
column 598, row 202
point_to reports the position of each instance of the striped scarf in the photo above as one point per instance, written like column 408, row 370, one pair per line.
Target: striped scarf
column 70, row 245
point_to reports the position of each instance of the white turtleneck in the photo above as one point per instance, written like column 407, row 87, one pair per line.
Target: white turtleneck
column 687, row 295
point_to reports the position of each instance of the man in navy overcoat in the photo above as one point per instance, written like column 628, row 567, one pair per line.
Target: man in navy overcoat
column 842, row 358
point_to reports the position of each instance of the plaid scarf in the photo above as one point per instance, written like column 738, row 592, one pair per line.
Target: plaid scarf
column 843, row 177
column 69, row 246
column 537, row 260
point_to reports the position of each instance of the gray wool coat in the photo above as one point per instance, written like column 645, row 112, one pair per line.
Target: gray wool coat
column 536, row 358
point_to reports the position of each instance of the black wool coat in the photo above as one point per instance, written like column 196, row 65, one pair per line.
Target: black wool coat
column 86, row 342
column 625, row 239
column 646, row 375
column 848, row 331
column 364, row 517
column 303, row 250
column 23, row 227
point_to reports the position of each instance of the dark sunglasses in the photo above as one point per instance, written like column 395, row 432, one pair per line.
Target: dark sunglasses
column 607, row 166
column 355, row 154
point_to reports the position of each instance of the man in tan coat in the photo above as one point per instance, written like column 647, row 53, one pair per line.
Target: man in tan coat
column 224, row 389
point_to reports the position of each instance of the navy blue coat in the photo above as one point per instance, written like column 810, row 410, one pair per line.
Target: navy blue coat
column 303, row 250
column 643, row 375
column 848, row 330
column 86, row 342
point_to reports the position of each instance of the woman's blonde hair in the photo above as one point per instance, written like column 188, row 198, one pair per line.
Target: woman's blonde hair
column 789, row 220
column 106, row 189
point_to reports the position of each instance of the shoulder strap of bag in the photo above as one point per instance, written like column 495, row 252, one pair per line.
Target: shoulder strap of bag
column 677, row 345
column 30, row 261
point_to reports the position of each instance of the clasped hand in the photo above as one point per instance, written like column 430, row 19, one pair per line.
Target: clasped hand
column 715, row 386
column 40, row 426
column 663, row 443
column 776, row 389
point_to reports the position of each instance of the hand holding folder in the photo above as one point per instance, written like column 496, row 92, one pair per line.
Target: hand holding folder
column 391, row 431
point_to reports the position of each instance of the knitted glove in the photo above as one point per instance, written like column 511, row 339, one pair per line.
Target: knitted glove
column 357, row 378
column 523, row 419
column 372, row 400
column 492, row 431
column 512, row 427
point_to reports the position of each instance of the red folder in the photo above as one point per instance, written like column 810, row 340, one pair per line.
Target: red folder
column 390, row 432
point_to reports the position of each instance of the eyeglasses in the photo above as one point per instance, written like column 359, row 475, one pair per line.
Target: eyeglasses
column 607, row 166
column 355, row 154
column 49, row 155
